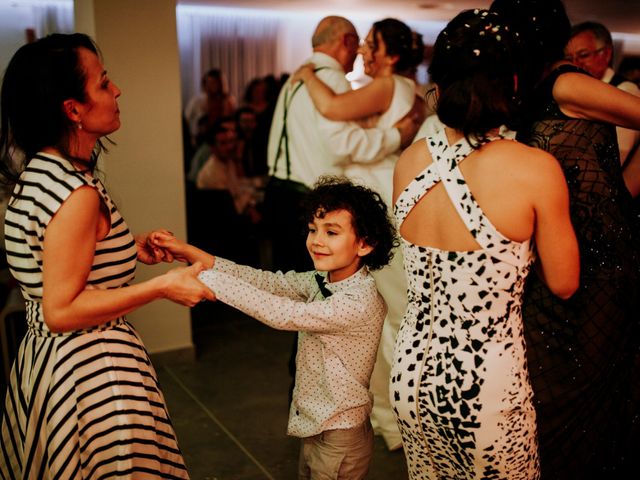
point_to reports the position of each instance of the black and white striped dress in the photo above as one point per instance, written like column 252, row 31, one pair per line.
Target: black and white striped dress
column 82, row 404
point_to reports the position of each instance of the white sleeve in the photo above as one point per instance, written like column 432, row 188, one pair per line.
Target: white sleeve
column 295, row 285
column 205, row 177
column 362, row 145
column 342, row 309
column 627, row 138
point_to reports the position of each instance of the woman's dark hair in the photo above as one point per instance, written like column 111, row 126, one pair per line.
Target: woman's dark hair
column 474, row 66
column 39, row 78
column 543, row 28
column 371, row 221
column 400, row 40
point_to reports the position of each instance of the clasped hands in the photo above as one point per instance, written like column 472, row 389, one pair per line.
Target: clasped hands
column 162, row 246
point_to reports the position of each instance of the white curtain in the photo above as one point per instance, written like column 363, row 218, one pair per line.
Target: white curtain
column 54, row 17
column 241, row 46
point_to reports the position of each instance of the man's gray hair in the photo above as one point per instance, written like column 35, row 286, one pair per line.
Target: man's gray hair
column 329, row 29
column 602, row 33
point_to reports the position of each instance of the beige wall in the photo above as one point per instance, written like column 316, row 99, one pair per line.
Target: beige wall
column 144, row 170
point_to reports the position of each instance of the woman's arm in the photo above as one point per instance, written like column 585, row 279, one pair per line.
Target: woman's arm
column 69, row 247
column 556, row 243
column 581, row 96
column 374, row 98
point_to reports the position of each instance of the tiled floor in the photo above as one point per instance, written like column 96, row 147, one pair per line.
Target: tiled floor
column 229, row 407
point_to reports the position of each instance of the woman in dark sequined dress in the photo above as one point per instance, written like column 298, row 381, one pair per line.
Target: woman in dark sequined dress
column 582, row 352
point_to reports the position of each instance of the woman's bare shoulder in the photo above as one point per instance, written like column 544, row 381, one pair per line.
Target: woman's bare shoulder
column 529, row 164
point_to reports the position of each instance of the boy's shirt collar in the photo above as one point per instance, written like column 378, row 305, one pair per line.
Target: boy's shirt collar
column 328, row 288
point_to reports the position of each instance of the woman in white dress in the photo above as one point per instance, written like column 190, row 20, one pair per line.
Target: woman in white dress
column 391, row 52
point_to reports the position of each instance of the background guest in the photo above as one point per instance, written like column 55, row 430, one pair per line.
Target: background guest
column 214, row 102
column 591, row 48
column 582, row 353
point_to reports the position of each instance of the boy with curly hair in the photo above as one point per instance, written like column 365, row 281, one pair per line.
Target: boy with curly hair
column 337, row 311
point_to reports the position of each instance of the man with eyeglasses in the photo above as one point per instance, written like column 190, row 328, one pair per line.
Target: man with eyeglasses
column 591, row 48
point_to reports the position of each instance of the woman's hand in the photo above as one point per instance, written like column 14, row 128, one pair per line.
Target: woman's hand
column 148, row 252
column 182, row 286
column 303, row 73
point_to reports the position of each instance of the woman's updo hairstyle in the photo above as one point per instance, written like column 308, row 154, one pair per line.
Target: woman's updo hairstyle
column 543, row 29
column 400, row 40
column 474, row 67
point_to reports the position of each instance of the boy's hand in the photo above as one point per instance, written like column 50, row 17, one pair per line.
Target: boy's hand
column 180, row 250
column 148, row 252
column 163, row 240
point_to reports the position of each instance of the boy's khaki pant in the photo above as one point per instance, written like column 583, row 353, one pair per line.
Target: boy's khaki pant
column 337, row 454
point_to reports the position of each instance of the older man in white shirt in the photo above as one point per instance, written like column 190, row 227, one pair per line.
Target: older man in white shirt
column 303, row 145
column 591, row 48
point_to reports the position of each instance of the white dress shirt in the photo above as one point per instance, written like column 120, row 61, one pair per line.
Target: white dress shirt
column 318, row 146
column 337, row 341
column 627, row 138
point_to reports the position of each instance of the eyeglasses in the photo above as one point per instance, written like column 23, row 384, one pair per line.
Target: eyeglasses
column 583, row 55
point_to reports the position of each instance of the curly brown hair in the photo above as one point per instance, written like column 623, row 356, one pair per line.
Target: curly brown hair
column 371, row 221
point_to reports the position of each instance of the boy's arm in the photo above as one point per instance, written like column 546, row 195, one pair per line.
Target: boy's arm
column 292, row 284
column 288, row 285
column 333, row 315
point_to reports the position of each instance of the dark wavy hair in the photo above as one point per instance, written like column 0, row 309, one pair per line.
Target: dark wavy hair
column 474, row 65
column 543, row 29
column 39, row 78
column 400, row 40
column 371, row 221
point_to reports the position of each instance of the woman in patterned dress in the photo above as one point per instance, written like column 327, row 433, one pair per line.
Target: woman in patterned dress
column 583, row 353
column 83, row 399
column 468, row 206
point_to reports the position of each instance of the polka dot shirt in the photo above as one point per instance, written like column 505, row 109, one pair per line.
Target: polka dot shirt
column 337, row 341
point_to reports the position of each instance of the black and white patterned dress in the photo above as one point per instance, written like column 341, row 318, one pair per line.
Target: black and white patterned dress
column 83, row 404
column 459, row 384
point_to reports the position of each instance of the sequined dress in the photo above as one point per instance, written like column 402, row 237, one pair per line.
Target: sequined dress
column 459, row 383
column 581, row 351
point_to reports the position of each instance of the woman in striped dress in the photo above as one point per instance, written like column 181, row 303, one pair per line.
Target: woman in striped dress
column 83, row 400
